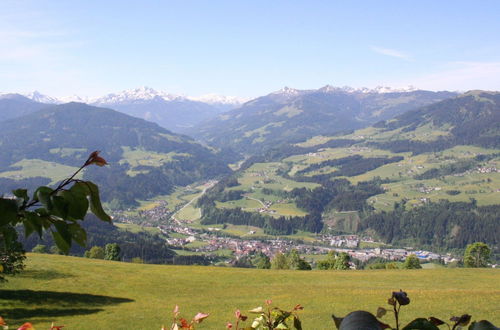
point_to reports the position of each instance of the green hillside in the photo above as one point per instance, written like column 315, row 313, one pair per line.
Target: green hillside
column 96, row 294
column 45, row 146
column 445, row 151
column 291, row 115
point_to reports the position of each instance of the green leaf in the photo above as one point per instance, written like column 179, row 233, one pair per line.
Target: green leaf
column 78, row 203
column 60, row 242
column 43, row 196
column 420, row 324
column 78, row 234
column 8, row 211
column 62, row 236
column 482, row 325
column 92, row 191
column 9, row 235
column 23, row 195
column 32, row 223
column 59, row 206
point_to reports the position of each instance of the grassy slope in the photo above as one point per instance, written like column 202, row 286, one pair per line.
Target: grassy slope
column 481, row 186
column 156, row 289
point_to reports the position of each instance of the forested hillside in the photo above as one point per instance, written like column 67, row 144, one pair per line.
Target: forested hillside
column 145, row 159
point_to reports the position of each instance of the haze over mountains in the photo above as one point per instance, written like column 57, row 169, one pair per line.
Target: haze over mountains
column 291, row 115
column 174, row 112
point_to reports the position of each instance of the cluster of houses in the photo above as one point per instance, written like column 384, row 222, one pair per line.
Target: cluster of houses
column 327, row 243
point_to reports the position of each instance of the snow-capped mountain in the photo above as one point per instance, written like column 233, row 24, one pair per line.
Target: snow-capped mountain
column 292, row 92
column 216, row 99
column 136, row 95
column 39, row 97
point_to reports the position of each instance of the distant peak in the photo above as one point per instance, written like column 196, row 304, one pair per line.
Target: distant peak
column 219, row 99
column 39, row 97
column 143, row 93
column 366, row 90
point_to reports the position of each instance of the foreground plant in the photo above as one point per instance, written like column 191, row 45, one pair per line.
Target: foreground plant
column 365, row 320
column 182, row 323
column 270, row 318
column 57, row 210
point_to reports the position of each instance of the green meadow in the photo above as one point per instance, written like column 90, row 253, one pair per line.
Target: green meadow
column 96, row 294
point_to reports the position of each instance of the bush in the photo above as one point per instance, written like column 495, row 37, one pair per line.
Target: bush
column 40, row 248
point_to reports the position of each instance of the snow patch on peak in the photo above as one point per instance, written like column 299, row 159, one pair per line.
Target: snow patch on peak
column 219, row 99
column 138, row 94
column 39, row 97
column 366, row 90
column 287, row 91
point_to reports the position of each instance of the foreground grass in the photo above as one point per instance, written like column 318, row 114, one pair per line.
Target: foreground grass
column 97, row 294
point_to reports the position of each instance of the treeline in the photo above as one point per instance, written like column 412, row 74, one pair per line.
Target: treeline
column 272, row 226
column 148, row 247
column 448, row 169
column 442, row 224
column 351, row 165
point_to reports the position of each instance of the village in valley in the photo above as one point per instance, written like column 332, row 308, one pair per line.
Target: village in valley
column 209, row 241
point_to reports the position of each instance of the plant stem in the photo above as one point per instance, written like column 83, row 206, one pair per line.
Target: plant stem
column 396, row 315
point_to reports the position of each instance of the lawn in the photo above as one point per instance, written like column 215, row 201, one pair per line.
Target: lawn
column 97, row 294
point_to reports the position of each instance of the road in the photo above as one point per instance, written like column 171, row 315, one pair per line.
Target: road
column 207, row 186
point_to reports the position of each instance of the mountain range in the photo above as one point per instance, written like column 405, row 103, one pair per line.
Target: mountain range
column 290, row 115
column 174, row 112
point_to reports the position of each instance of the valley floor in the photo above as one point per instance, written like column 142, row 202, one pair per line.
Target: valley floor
column 96, row 294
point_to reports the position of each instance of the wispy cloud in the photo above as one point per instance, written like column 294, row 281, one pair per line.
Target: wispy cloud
column 391, row 52
column 461, row 76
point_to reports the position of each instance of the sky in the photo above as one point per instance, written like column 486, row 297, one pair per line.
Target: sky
column 246, row 48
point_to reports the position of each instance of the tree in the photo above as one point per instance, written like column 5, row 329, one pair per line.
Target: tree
column 96, row 252
column 293, row 259
column 40, row 248
column 56, row 210
column 342, row 261
column 303, row 265
column 280, row 261
column 112, row 252
column 329, row 262
column 261, row 261
column 412, row 262
column 477, row 255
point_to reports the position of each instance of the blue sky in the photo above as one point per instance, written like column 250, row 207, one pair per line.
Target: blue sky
column 246, row 48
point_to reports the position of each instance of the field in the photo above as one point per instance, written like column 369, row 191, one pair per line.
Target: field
column 96, row 294
column 29, row 168
column 482, row 186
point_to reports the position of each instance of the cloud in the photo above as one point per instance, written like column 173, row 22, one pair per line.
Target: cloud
column 462, row 75
column 391, row 52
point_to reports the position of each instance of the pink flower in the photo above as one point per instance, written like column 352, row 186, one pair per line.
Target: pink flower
column 200, row 317
column 229, row 325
